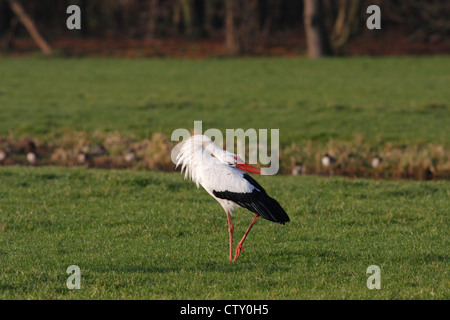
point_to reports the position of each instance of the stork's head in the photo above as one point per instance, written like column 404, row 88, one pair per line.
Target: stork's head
column 228, row 158
column 233, row 160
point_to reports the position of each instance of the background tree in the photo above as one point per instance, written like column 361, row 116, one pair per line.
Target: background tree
column 29, row 24
column 346, row 19
column 242, row 25
column 316, row 35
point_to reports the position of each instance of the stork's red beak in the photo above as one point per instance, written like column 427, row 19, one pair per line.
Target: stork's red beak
column 249, row 168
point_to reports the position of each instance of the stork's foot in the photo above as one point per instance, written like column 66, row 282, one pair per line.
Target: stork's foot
column 239, row 249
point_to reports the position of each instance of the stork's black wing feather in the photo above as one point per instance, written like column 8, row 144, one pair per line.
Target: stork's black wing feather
column 257, row 201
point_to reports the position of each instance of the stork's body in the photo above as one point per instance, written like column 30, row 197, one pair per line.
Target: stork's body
column 220, row 173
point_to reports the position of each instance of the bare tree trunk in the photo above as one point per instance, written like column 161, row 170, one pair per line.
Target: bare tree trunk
column 341, row 15
column 248, row 24
column 241, row 25
column 316, row 35
column 186, row 12
column 347, row 15
column 154, row 13
column 231, row 41
column 17, row 8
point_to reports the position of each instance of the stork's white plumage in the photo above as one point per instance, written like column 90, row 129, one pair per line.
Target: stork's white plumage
column 220, row 173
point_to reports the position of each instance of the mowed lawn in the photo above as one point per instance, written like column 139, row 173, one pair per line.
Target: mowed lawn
column 146, row 235
column 403, row 100
column 149, row 235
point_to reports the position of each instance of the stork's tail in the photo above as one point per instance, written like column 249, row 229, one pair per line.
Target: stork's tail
column 269, row 209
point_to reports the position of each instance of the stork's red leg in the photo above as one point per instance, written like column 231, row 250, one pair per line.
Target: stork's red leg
column 230, row 231
column 239, row 247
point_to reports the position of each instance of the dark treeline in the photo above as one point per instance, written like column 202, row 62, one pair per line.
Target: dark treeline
column 239, row 23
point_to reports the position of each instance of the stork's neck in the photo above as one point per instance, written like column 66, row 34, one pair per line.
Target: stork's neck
column 212, row 150
column 196, row 152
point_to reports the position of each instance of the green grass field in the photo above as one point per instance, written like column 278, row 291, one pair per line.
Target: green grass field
column 404, row 100
column 152, row 235
column 143, row 235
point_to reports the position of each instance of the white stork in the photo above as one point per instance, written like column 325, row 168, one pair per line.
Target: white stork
column 219, row 173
